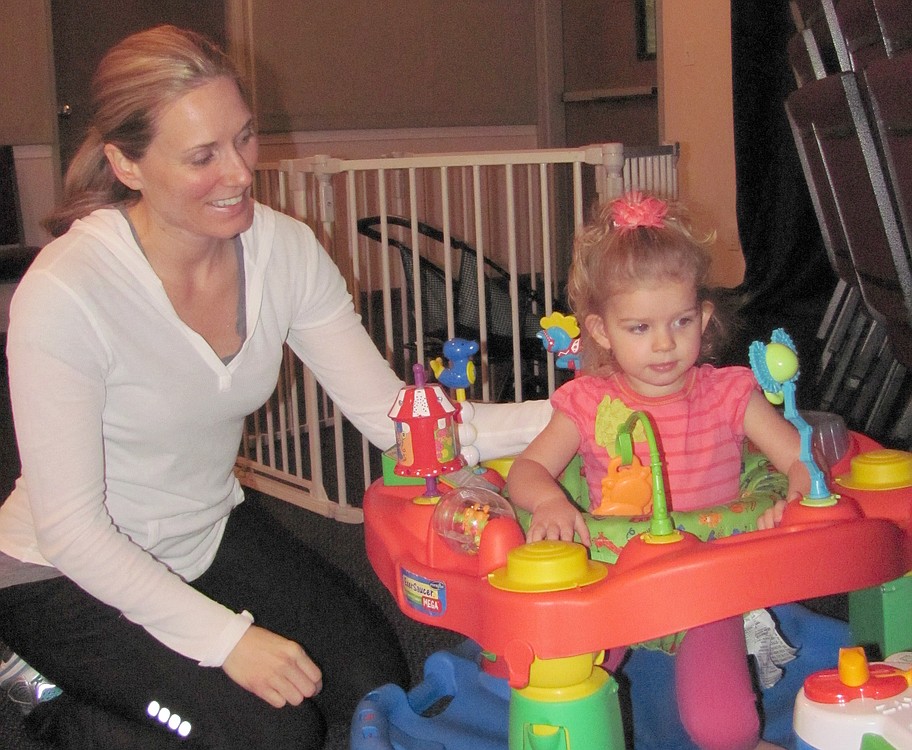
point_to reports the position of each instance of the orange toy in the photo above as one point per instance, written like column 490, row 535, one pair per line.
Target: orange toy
column 626, row 490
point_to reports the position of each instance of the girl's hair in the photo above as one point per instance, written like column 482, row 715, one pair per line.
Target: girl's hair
column 135, row 81
column 612, row 256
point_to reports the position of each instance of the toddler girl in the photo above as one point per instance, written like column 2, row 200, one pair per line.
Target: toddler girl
column 638, row 287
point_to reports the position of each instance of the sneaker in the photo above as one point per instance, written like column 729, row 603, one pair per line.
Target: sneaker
column 21, row 683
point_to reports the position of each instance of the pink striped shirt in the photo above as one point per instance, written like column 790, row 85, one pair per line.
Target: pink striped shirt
column 700, row 430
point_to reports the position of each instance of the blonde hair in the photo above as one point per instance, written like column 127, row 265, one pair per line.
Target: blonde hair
column 608, row 259
column 137, row 78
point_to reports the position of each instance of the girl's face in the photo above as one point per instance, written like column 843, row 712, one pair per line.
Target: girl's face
column 195, row 177
column 654, row 333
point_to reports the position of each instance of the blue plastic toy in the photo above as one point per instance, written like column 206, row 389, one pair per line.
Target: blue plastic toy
column 560, row 336
column 775, row 366
column 459, row 372
column 460, row 707
column 456, row 706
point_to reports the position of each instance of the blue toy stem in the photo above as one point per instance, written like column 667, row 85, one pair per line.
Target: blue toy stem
column 819, row 494
column 819, row 490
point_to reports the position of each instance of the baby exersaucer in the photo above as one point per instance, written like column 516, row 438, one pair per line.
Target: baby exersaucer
column 517, row 601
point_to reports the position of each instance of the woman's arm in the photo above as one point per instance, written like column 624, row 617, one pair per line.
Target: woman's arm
column 329, row 337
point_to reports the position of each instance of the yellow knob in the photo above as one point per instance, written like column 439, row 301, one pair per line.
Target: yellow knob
column 853, row 666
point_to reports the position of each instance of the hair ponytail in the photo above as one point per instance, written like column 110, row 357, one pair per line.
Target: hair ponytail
column 90, row 184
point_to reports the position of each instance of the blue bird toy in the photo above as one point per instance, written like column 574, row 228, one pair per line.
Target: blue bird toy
column 459, row 372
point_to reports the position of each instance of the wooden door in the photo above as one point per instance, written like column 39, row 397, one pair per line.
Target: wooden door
column 83, row 31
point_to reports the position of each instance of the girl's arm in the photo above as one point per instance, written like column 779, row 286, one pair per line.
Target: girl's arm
column 533, row 485
column 780, row 442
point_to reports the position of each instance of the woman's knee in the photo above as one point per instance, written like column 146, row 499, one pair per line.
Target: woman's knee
column 345, row 684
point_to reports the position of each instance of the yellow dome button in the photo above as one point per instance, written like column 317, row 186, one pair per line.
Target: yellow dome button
column 547, row 565
column 885, row 469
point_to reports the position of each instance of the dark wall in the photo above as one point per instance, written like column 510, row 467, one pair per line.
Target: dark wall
column 600, row 43
column 788, row 279
column 82, row 32
column 396, row 64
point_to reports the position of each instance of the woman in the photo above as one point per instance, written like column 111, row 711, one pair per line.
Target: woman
column 132, row 575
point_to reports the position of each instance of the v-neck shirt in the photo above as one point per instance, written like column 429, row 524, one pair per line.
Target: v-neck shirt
column 128, row 422
column 241, row 317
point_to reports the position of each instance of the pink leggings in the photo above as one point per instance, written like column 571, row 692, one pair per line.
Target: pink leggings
column 716, row 699
column 715, row 696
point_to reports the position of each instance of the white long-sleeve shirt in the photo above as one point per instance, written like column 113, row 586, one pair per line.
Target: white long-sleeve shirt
column 128, row 423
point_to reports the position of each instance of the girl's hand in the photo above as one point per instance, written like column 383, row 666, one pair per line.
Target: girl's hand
column 779, row 441
column 771, row 517
column 799, row 484
column 273, row 668
column 557, row 519
column 799, row 481
column 533, row 485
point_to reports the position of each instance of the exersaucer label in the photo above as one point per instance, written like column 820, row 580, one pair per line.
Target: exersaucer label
column 423, row 594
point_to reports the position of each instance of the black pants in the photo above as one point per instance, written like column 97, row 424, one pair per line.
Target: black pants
column 111, row 670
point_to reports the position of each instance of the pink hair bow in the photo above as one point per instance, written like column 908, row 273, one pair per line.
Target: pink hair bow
column 634, row 210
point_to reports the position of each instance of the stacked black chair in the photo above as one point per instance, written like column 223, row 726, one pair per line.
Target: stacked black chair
column 850, row 118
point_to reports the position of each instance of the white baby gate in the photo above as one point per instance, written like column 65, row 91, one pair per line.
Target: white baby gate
column 490, row 235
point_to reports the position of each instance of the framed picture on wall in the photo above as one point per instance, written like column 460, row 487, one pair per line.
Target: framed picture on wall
column 646, row 29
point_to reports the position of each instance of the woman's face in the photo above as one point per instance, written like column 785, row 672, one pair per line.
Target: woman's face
column 196, row 175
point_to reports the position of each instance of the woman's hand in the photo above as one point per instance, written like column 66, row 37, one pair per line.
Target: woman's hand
column 273, row 668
